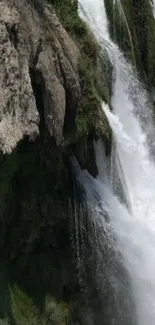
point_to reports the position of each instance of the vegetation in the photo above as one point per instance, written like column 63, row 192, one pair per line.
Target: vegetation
column 34, row 191
column 24, row 311
column 39, row 285
column 35, row 236
column 132, row 26
column 94, row 69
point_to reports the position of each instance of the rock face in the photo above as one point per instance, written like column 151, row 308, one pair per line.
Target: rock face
column 27, row 56
column 50, row 90
column 57, row 73
column 18, row 112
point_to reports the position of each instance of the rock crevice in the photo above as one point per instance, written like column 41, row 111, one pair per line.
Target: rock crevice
column 54, row 57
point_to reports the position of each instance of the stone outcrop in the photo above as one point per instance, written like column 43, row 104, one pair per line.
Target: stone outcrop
column 50, row 90
column 30, row 54
column 18, row 112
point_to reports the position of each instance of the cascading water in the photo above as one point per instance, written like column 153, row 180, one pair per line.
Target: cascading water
column 122, row 15
column 102, row 275
column 153, row 6
column 133, row 223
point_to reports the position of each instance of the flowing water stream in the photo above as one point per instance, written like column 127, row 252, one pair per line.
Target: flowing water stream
column 132, row 220
column 153, row 6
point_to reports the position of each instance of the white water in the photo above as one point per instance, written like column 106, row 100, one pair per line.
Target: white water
column 135, row 230
column 122, row 15
column 153, row 6
column 89, row 10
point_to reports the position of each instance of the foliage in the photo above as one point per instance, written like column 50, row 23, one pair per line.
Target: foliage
column 132, row 26
column 4, row 321
column 56, row 313
column 94, row 85
column 34, row 193
column 24, row 311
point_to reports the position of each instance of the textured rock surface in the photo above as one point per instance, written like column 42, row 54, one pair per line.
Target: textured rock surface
column 25, row 53
column 18, row 112
column 48, row 91
column 57, row 69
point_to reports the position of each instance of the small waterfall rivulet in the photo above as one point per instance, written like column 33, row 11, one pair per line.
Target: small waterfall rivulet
column 117, row 5
column 125, row 222
column 102, row 275
column 153, row 6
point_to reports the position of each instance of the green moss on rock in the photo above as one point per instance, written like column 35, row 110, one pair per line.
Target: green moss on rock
column 94, row 70
column 25, row 312
column 4, row 322
column 34, row 193
column 132, row 26
column 23, row 309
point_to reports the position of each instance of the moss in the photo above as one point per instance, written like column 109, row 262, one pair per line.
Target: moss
column 56, row 313
column 4, row 321
column 94, row 69
column 21, row 306
column 25, row 312
column 135, row 19
column 144, row 28
column 23, row 309
column 118, row 27
column 94, row 88
column 34, row 193
column 35, row 235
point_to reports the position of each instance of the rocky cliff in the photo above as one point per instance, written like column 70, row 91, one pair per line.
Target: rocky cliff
column 52, row 82
column 53, row 78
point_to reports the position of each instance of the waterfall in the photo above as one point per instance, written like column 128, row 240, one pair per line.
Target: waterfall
column 132, row 222
column 102, row 275
column 153, row 6
column 118, row 3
